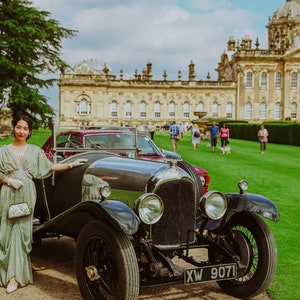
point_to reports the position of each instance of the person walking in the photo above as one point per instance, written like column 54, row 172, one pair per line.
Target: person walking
column 20, row 163
column 224, row 135
column 263, row 138
column 152, row 129
column 195, row 136
column 174, row 135
column 214, row 132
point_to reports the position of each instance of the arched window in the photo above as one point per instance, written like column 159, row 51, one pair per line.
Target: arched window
column 215, row 110
column 172, row 109
column 263, row 111
column 249, row 80
column 229, row 109
column 186, row 110
column 277, row 112
column 294, row 110
column 294, row 80
column 83, row 108
column 143, row 109
column 278, row 80
column 200, row 106
column 263, row 80
column 128, row 109
column 114, row 109
column 157, row 109
column 248, row 112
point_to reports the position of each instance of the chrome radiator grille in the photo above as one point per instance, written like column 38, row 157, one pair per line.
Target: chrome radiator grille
column 179, row 213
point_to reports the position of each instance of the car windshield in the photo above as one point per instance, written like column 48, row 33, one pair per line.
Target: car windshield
column 109, row 140
column 146, row 147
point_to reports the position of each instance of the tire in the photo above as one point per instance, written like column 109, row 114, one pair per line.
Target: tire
column 106, row 264
column 195, row 176
column 254, row 243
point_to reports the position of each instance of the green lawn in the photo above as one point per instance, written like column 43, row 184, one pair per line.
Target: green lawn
column 274, row 174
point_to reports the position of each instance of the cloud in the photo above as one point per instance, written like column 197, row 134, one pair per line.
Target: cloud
column 171, row 33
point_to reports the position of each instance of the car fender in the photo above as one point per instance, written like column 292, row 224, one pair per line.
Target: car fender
column 253, row 203
column 71, row 221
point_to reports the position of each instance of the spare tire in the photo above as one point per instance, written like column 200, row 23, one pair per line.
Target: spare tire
column 187, row 167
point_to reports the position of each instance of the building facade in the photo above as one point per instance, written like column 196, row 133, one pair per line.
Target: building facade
column 253, row 84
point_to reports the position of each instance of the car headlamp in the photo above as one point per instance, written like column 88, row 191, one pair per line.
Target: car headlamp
column 213, row 204
column 202, row 178
column 105, row 191
column 149, row 207
column 243, row 186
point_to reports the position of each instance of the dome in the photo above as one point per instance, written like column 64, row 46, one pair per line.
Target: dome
column 290, row 9
column 87, row 66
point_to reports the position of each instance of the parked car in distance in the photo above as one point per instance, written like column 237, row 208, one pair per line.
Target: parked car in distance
column 121, row 140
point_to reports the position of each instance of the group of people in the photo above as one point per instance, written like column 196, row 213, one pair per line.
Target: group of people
column 20, row 163
column 215, row 133
column 223, row 133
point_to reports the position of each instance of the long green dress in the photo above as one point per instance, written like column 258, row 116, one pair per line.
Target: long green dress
column 16, row 235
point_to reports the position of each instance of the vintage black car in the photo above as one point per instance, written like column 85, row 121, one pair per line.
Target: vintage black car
column 132, row 218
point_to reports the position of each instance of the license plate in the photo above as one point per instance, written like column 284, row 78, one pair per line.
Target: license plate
column 210, row 273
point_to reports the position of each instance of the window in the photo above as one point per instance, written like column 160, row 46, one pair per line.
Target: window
column 172, row 110
column 294, row 110
column 263, row 111
column 83, row 108
column 186, row 110
column 128, row 109
column 200, row 106
column 249, row 80
column 229, row 109
column 143, row 109
column 248, row 112
column 278, row 80
column 263, row 80
column 294, row 80
column 277, row 112
column 215, row 110
column 114, row 109
column 157, row 109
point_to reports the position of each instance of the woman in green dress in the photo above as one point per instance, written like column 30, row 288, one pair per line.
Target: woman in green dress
column 20, row 163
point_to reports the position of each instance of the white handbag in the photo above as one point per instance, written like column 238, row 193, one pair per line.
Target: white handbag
column 19, row 210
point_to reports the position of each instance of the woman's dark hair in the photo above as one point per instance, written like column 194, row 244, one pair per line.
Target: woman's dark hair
column 27, row 120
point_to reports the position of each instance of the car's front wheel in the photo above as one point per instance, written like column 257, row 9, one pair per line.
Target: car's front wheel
column 254, row 243
column 106, row 264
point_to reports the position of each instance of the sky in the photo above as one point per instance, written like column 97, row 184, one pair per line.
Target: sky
column 125, row 34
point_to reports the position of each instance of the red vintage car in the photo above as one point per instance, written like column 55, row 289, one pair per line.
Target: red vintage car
column 121, row 140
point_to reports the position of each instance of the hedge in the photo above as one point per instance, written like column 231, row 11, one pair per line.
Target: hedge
column 286, row 133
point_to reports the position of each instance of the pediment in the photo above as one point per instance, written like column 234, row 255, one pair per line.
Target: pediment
column 294, row 54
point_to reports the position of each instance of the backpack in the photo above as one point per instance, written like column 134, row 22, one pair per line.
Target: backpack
column 196, row 134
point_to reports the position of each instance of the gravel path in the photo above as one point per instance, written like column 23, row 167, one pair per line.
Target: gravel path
column 54, row 279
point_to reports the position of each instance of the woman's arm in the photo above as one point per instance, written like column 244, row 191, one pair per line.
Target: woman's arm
column 62, row 167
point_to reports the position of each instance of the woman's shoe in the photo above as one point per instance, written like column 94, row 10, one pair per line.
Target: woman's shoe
column 11, row 288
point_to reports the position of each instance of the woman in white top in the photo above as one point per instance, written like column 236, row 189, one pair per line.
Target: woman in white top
column 195, row 136
column 263, row 138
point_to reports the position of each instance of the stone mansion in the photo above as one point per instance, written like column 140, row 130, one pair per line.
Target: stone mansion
column 253, row 84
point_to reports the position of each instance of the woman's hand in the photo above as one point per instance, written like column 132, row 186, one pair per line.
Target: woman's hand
column 77, row 163
column 15, row 183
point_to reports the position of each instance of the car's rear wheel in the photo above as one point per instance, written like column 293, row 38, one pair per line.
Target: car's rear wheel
column 106, row 264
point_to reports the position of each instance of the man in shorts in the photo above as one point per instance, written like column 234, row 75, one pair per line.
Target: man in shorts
column 174, row 135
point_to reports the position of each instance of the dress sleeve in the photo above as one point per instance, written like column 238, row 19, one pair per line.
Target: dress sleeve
column 44, row 165
column 37, row 164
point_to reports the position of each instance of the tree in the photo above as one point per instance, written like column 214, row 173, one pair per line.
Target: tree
column 30, row 48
